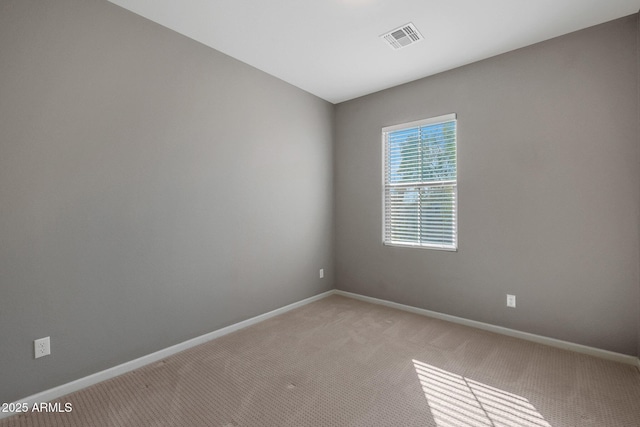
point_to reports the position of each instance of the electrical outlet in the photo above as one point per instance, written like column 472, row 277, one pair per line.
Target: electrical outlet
column 322, row 273
column 42, row 347
column 511, row 301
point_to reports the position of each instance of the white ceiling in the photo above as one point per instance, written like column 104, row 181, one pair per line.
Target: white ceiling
column 332, row 48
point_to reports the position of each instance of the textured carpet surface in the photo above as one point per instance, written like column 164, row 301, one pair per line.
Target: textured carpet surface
column 343, row 362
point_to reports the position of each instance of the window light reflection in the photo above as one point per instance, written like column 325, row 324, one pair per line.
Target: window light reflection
column 456, row 401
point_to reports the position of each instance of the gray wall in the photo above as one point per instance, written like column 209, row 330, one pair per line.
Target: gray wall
column 151, row 190
column 548, row 191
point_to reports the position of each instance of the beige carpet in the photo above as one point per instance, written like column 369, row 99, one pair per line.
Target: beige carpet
column 342, row 362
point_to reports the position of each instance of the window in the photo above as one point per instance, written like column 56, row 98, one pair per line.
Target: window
column 420, row 184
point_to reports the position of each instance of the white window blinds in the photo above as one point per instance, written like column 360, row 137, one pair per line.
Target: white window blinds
column 420, row 184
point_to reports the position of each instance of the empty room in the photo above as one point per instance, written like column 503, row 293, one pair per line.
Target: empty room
column 237, row 213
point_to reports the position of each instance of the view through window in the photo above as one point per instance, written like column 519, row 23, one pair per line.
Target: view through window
column 420, row 183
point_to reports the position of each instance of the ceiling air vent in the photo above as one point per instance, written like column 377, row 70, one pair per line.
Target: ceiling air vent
column 402, row 36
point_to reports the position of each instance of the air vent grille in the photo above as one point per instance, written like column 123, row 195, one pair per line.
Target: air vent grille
column 402, row 36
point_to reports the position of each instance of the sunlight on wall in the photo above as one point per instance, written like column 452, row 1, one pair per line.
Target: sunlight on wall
column 456, row 401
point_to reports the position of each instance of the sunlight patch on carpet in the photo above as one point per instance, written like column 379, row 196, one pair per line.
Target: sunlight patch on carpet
column 456, row 401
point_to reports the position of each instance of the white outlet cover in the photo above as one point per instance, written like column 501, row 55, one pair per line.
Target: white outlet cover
column 322, row 273
column 42, row 347
column 511, row 301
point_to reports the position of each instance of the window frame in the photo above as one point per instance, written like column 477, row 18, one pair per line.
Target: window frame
column 414, row 124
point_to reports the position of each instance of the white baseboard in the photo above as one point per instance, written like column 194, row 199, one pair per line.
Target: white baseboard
column 578, row 348
column 87, row 381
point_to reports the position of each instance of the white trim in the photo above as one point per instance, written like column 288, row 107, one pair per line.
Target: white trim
column 424, row 246
column 90, row 380
column 109, row 373
column 440, row 119
column 578, row 348
column 383, row 186
column 446, row 118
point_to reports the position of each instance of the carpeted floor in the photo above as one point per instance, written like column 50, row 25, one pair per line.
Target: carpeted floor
column 343, row 362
